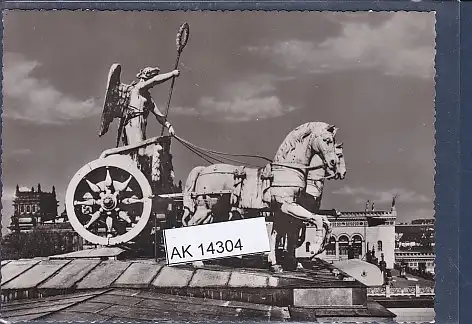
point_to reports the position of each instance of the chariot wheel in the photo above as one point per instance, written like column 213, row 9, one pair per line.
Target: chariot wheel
column 108, row 201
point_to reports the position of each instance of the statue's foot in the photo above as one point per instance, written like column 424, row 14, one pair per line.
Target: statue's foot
column 276, row 268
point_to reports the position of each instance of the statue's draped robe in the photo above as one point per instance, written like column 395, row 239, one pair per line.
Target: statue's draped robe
column 154, row 160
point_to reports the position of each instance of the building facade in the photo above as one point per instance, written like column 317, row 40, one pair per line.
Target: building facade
column 32, row 208
column 415, row 245
column 359, row 232
column 423, row 260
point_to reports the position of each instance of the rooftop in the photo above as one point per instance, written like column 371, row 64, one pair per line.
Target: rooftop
column 87, row 288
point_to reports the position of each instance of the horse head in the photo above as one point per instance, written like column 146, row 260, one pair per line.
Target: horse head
column 306, row 141
column 341, row 168
column 319, row 171
column 323, row 143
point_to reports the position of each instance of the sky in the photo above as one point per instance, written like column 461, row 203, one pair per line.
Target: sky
column 247, row 79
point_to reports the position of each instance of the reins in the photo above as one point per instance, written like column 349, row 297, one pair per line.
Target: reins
column 212, row 155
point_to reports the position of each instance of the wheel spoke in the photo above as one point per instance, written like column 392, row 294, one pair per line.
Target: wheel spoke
column 108, row 179
column 88, row 202
column 120, row 186
column 93, row 186
column 132, row 200
column 94, row 217
column 107, row 183
column 109, row 221
column 124, row 216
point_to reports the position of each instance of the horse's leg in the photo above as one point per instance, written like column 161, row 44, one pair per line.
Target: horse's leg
column 189, row 187
column 235, row 213
column 201, row 216
column 186, row 216
column 301, row 231
column 272, row 243
column 274, row 239
column 301, row 235
column 298, row 212
column 292, row 239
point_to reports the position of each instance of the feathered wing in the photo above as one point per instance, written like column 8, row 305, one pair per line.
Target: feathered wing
column 116, row 99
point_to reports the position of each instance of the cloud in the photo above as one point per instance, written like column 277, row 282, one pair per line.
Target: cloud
column 422, row 213
column 361, row 194
column 402, row 45
column 18, row 152
column 252, row 99
column 8, row 194
column 36, row 100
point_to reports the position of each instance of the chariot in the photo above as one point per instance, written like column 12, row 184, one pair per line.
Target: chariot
column 110, row 200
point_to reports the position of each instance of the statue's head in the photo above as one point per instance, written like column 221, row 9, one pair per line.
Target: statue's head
column 148, row 73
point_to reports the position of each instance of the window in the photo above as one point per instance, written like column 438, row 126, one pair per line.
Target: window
column 28, row 208
column 343, row 245
column 307, row 247
column 331, row 246
column 357, row 245
column 379, row 246
column 22, row 208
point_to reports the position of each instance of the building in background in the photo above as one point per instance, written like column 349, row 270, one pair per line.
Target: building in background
column 362, row 235
column 36, row 230
column 32, row 208
column 415, row 245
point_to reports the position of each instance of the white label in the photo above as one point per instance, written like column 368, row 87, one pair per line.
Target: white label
column 218, row 240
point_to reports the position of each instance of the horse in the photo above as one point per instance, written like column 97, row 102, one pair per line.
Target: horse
column 287, row 174
column 293, row 235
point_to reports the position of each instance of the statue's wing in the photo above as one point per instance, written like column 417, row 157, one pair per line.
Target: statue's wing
column 112, row 106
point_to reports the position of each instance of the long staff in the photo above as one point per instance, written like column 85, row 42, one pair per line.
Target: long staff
column 181, row 41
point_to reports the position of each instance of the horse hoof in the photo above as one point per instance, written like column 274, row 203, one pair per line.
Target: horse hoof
column 198, row 264
column 276, row 268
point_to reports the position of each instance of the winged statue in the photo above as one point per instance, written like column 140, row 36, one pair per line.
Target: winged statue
column 132, row 103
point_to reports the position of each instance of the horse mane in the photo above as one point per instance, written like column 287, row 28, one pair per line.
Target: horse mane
column 297, row 136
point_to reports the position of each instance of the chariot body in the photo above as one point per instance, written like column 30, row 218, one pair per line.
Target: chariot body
column 127, row 197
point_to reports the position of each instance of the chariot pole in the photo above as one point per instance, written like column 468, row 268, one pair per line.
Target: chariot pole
column 181, row 41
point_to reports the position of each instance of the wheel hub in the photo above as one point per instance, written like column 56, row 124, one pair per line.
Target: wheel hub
column 108, row 202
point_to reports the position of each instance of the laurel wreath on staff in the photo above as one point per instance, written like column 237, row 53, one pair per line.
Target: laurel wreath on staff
column 181, row 41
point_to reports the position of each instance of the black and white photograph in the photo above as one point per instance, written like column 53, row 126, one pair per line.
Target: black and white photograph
column 218, row 166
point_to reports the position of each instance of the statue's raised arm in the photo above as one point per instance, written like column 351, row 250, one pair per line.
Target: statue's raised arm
column 148, row 83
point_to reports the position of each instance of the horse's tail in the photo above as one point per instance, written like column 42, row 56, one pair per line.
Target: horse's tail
column 188, row 204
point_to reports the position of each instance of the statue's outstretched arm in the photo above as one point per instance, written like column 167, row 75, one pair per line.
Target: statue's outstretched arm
column 148, row 84
column 162, row 119
column 159, row 115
